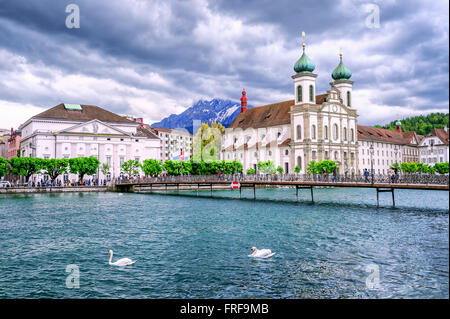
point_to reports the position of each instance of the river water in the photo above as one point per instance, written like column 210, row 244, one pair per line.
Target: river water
column 342, row 246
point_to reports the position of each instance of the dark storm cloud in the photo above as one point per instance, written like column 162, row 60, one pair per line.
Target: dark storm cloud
column 176, row 51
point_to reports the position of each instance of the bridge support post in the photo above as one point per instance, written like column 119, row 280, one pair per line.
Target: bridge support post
column 254, row 191
column 296, row 192
column 211, row 188
column 381, row 190
column 240, row 192
column 312, row 195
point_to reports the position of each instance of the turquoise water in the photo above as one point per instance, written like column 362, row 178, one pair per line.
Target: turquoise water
column 197, row 247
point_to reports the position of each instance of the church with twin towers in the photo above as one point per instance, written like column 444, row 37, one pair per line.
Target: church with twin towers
column 310, row 127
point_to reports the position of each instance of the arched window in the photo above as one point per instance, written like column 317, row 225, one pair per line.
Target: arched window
column 335, row 132
column 349, row 102
column 313, row 132
column 286, row 152
column 299, row 132
column 299, row 93
column 299, row 162
column 311, row 93
column 345, row 133
column 325, row 132
column 352, row 135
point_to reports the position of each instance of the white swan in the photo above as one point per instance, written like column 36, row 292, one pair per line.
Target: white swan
column 261, row 253
column 120, row 262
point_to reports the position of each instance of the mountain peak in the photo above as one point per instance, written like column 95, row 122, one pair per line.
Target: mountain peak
column 217, row 110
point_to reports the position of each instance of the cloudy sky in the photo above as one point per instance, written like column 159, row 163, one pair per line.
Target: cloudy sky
column 154, row 58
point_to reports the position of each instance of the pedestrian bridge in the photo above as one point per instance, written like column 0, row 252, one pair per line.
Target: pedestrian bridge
column 380, row 183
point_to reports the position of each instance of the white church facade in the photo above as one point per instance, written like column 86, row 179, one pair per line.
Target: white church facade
column 308, row 128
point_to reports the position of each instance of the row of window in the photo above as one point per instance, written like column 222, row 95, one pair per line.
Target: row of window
column 325, row 131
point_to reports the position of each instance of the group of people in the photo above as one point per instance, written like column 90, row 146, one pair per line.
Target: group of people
column 393, row 174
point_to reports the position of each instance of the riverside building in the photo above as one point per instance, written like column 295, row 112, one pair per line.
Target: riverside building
column 314, row 128
column 308, row 128
column 175, row 144
column 73, row 130
column 435, row 146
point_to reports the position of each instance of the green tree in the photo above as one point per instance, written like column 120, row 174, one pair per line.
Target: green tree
column 4, row 167
column 83, row 166
column 421, row 124
column 441, row 168
column 207, row 142
column 251, row 171
column 297, row 169
column 267, row 167
column 131, row 167
column 55, row 167
column 151, row 167
column 280, row 170
column 317, row 167
column 25, row 166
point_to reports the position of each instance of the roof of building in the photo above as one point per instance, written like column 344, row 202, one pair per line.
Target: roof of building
column 141, row 130
column 161, row 129
column 88, row 113
column 384, row 135
column 321, row 98
column 441, row 134
column 263, row 116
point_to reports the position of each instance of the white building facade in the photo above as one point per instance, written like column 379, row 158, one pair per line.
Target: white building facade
column 434, row 148
column 68, row 131
column 175, row 144
column 385, row 147
column 293, row 133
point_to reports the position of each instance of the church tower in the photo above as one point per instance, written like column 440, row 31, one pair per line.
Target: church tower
column 341, row 76
column 304, row 80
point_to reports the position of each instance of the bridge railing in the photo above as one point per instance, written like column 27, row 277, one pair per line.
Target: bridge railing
column 377, row 179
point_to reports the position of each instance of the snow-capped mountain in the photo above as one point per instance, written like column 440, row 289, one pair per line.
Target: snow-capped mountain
column 218, row 110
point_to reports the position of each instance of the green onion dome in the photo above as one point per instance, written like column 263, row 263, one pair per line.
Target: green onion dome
column 304, row 64
column 341, row 72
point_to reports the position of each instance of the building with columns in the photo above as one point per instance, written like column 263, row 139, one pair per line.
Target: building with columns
column 308, row 128
column 72, row 130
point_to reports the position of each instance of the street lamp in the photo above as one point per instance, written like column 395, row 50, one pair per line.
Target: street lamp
column 395, row 152
column 396, row 165
column 371, row 150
